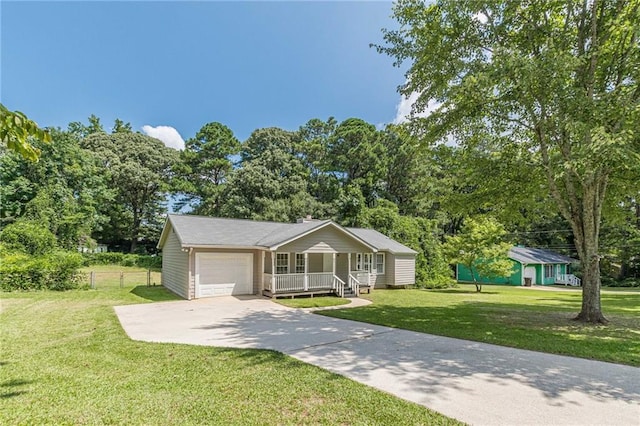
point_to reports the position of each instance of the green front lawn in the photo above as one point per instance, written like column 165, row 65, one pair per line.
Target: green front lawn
column 539, row 320
column 66, row 360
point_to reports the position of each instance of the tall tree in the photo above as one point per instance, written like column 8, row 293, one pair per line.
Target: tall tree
column 408, row 178
column 356, row 152
column 64, row 191
column 272, row 182
column 555, row 80
column 138, row 169
column 207, row 160
column 315, row 137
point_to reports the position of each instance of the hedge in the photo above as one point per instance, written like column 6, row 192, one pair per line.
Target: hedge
column 53, row 271
column 123, row 259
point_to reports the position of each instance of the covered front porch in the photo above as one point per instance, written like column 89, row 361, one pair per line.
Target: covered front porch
column 289, row 274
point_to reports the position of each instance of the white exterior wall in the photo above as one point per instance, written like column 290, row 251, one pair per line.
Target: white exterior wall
column 175, row 264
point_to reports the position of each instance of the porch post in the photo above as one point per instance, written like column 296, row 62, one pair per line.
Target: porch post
column 306, row 271
column 333, row 266
column 273, row 273
column 261, row 273
column 348, row 264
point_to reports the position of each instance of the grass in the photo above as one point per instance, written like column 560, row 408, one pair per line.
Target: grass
column 66, row 360
column 313, row 302
column 539, row 320
column 109, row 276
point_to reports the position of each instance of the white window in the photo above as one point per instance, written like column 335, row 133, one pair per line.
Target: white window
column 282, row 263
column 364, row 261
column 380, row 263
column 300, row 263
column 548, row 271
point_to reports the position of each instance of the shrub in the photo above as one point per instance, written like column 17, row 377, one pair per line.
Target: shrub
column 53, row 271
column 28, row 237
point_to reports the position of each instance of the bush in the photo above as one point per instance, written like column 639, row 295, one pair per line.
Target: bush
column 28, row 237
column 627, row 282
column 53, row 271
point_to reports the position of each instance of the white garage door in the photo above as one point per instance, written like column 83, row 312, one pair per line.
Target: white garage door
column 224, row 274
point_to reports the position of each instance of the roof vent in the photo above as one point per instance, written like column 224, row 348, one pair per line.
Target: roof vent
column 306, row 219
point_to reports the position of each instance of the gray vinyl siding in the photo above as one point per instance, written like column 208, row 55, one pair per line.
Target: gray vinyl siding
column 315, row 262
column 267, row 263
column 404, row 270
column 175, row 263
column 257, row 266
column 325, row 240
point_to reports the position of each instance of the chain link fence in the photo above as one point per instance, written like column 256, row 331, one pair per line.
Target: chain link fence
column 121, row 279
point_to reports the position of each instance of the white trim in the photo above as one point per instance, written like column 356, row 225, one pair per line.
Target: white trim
column 361, row 262
column 288, row 265
column 384, row 263
column 229, row 247
column 295, row 263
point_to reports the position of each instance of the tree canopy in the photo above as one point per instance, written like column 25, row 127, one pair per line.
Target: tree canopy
column 548, row 86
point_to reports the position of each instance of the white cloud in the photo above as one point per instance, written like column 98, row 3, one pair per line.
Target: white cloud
column 403, row 109
column 166, row 134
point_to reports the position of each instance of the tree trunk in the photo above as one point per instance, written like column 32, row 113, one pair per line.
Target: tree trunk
column 591, row 311
column 591, row 308
column 135, row 230
column 475, row 281
column 586, row 229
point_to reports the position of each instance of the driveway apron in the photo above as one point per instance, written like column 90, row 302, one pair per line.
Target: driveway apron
column 473, row 382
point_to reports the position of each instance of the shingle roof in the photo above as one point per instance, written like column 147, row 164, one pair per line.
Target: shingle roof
column 199, row 231
column 535, row 255
column 381, row 241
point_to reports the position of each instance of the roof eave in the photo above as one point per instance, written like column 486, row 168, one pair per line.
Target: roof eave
column 165, row 232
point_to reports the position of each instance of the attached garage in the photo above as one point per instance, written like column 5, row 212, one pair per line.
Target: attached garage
column 223, row 274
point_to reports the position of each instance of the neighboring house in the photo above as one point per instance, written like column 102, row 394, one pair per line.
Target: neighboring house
column 100, row 248
column 531, row 266
column 207, row 256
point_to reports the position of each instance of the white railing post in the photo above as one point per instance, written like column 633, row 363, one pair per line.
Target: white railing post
column 273, row 273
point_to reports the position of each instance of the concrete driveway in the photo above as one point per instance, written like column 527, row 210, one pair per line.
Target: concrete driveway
column 477, row 383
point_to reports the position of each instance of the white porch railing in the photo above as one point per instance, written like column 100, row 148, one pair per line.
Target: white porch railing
column 355, row 285
column 319, row 280
column 568, row 279
column 339, row 286
column 363, row 277
column 288, row 282
column 283, row 283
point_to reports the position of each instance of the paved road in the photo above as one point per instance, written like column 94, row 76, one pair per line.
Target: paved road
column 477, row 383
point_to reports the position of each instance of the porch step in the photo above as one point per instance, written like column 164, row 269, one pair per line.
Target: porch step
column 348, row 292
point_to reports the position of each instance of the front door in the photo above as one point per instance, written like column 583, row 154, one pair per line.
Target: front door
column 530, row 272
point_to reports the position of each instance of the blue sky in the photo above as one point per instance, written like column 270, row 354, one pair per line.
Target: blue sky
column 183, row 64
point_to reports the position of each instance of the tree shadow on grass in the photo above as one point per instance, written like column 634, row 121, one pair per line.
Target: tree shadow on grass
column 8, row 388
column 434, row 368
column 154, row 293
column 459, row 291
